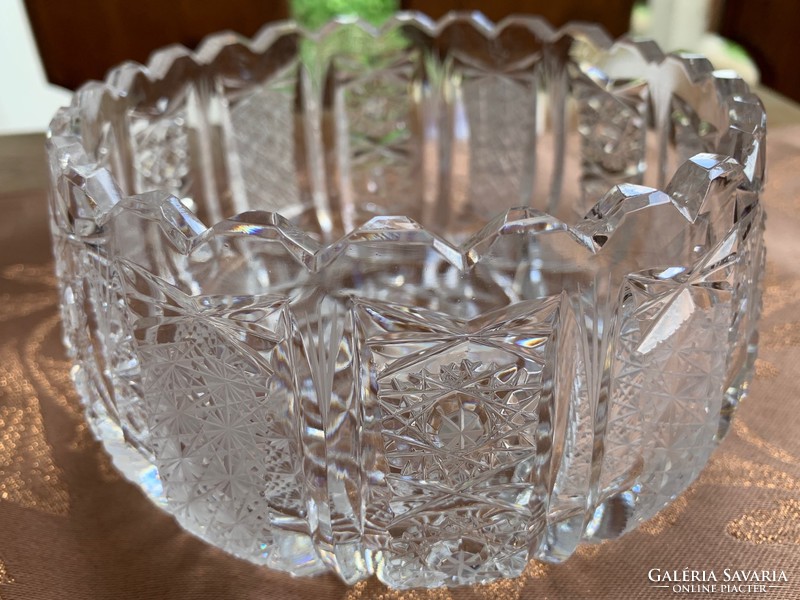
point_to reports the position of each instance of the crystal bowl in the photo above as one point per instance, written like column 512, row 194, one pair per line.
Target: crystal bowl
column 426, row 301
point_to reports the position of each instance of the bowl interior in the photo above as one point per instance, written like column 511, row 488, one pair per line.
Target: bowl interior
column 449, row 126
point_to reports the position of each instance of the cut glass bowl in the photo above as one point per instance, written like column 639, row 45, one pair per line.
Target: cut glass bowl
column 427, row 301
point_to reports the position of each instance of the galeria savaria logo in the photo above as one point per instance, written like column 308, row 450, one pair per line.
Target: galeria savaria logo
column 724, row 581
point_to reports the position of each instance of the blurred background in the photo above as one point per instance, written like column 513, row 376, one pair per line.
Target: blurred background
column 48, row 48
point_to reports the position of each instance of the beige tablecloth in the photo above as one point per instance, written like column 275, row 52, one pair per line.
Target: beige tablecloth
column 71, row 528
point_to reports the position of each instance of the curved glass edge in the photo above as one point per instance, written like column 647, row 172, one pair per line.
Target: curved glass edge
column 737, row 111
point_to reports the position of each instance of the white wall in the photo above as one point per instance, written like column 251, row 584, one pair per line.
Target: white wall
column 27, row 101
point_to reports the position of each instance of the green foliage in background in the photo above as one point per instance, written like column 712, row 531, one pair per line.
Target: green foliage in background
column 353, row 47
column 314, row 13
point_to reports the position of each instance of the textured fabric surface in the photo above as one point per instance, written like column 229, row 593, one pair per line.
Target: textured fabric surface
column 71, row 528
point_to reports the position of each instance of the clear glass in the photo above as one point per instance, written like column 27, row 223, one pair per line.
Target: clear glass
column 427, row 301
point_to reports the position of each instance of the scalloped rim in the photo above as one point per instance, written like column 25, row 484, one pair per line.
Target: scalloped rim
column 120, row 80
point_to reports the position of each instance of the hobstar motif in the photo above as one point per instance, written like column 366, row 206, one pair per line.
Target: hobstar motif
column 449, row 329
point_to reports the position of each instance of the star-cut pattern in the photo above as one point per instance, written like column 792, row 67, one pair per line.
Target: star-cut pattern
column 118, row 350
column 612, row 127
column 453, row 425
column 219, row 399
column 461, row 407
column 461, row 545
column 668, row 377
column 161, row 153
column 98, row 339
